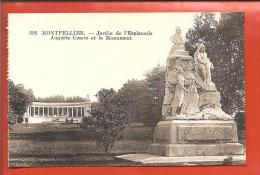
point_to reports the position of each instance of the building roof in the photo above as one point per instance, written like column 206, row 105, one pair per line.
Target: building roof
column 47, row 104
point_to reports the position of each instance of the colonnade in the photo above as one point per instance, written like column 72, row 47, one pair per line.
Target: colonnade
column 58, row 109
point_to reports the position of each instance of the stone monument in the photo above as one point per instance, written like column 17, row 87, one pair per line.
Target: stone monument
column 193, row 122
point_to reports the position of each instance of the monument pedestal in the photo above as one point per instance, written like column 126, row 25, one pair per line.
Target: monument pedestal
column 185, row 138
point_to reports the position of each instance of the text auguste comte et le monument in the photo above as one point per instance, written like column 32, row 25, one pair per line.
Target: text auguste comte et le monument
column 87, row 35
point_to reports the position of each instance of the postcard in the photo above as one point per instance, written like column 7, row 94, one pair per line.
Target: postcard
column 126, row 89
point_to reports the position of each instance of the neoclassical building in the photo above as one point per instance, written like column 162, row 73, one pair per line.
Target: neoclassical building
column 40, row 112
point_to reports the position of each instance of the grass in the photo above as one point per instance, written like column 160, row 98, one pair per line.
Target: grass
column 67, row 145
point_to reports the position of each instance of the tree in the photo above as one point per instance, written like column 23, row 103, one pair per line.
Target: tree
column 106, row 119
column 19, row 99
column 155, row 82
column 61, row 99
column 134, row 94
column 230, row 62
column 75, row 99
column 224, row 41
column 205, row 26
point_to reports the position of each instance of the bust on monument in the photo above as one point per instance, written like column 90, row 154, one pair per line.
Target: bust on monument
column 177, row 40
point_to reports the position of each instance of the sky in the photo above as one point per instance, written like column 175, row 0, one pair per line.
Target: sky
column 83, row 67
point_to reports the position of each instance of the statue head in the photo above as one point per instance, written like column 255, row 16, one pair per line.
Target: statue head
column 178, row 30
column 202, row 48
column 178, row 69
column 200, row 41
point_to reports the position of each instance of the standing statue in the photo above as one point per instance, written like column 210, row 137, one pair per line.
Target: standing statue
column 179, row 94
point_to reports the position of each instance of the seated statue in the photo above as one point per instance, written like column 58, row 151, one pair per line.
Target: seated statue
column 202, row 64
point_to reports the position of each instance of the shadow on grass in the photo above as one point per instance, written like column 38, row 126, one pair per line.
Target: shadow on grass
column 50, row 136
column 88, row 159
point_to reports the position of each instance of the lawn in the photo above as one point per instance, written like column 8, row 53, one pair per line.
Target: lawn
column 67, row 145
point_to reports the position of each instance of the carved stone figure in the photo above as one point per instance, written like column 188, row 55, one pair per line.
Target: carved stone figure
column 178, row 57
column 191, row 104
column 177, row 40
column 169, row 92
column 179, row 93
column 203, row 65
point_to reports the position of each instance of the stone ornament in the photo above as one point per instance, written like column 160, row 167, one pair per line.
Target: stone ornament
column 189, row 90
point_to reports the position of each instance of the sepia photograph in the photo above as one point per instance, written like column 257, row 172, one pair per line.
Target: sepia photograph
column 126, row 89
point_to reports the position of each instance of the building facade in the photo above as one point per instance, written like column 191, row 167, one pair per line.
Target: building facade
column 40, row 112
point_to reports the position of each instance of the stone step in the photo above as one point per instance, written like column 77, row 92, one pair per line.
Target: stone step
column 151, row 160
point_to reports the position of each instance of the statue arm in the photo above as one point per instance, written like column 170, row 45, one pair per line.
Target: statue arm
column 199, row 58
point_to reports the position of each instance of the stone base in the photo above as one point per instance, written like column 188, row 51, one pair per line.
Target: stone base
column 185, row 138
column 187, row 150
column 155, row 160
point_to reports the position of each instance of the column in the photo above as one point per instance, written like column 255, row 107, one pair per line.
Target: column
column 81, row 111
column 27, row 111
column 57, row 111
column 67, row 111
column 48, row 111
column 34, row 111
column 77, row 111
column 38, row 111
column 62, row 111
column 72, row 111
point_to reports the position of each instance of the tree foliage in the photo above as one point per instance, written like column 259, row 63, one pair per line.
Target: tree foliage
column 62, row 99
column 107, row 118
column 142, row 99
column 134, row 94
column 19, row 99
column 155, row 82
column 224, row 41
